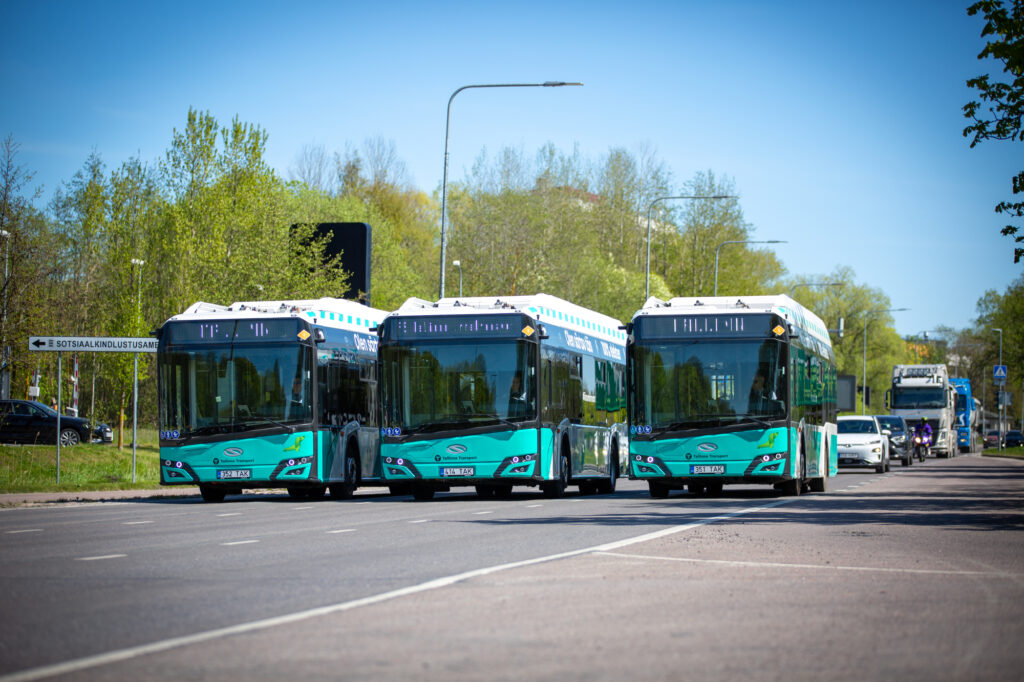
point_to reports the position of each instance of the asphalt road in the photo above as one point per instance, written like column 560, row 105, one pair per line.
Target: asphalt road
column 917, row 574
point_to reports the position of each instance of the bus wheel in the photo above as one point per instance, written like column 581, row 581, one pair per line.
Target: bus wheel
column 316, row 493
column 557, row 488
column 659, row 491
column 211, row 493
column 297, row 493
column 607, row 486
column 422, row 493
column 347, row 488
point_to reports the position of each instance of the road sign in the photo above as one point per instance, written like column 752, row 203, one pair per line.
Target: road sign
column 999, row 374
column 101, row 344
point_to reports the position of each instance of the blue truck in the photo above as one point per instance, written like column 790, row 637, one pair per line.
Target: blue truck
column 967, row 410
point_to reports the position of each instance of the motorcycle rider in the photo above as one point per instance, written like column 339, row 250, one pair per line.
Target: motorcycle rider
column 923, row 429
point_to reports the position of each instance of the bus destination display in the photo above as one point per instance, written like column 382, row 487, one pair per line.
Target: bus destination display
column 704, row 326
column 228, row 331
column 458, row 327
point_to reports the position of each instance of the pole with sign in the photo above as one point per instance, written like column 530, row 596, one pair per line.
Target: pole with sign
column 96, row 344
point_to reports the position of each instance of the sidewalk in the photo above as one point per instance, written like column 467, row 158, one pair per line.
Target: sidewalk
column 38, row 499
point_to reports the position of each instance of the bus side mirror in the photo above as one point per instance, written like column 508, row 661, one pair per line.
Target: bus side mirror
column 318, row 335
column 542, row 332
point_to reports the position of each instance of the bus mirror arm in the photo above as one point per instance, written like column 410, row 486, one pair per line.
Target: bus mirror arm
column 318, row 335
column 542, row 332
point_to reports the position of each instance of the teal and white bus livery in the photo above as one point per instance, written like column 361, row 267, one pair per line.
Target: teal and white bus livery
column 730, row 390
column 272, row 394
column 499, row 392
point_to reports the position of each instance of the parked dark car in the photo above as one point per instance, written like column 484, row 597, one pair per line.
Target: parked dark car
column 103, row 433
column 899, row 438
column 28, row 421
column 1013, row 439
column 992, row 439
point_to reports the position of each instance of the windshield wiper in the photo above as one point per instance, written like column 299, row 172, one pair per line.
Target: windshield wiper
column 438, row 426
column 255, row 421
column 753, row 418
column 492, row 416
column 209, row 430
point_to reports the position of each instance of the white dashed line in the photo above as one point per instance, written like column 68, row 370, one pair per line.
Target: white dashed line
column 89, row 662
column 135, row 523
column 99, row 558
column 23, row 530
column 533, row 506
column 420, row 521
column 343, row 530
column 238, row 542
column 775, row 564
column 301, row 508
column 483, row 512
column 230, row 514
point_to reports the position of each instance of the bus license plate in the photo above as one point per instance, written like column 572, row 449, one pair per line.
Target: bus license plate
column 707, row 469
column 234, row 474
column 458, row 471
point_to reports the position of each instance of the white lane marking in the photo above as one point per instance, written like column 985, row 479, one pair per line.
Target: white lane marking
column 100, row 558
column 343, row 530
column 483, row 512
column 252, row 626
column 238, row 542
column 230, row 514
column 420, row 521
column 533, row 506
column 23, row 530
column 301, row 508
column 776, row 564
column 135, row 523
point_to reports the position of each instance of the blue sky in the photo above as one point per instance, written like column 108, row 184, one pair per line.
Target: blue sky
column 839, row 123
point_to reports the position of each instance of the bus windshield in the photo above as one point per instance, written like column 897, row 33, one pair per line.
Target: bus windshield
column 703, row 384
column 213, row 389
column 434, row 386
column 904, row 398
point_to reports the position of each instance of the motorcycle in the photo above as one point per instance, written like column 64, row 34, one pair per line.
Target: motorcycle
column 922, row 445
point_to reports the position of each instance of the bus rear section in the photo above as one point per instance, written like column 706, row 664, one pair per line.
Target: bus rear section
column 492, row 394
column 730, row 392
column 277, row 395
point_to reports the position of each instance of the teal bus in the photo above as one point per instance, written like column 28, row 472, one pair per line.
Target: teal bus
column 271, row 394
column 501, row 392
column 730, row 390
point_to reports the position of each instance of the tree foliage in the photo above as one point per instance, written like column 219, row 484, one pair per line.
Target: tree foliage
column 998, row 114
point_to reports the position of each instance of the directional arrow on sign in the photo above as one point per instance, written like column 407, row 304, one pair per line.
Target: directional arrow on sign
column 38, row 342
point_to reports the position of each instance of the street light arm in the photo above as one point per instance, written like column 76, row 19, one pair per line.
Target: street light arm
column 447, row 127
column 650, row 206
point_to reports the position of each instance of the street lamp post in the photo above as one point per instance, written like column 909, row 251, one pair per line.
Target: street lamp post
column 647, row 288
column 447, row 122
column 740, row 241
column 5, row 382
column 999, row 389
column 792, row 290
column 458, row 264
column 864, row 361
column 135, row 403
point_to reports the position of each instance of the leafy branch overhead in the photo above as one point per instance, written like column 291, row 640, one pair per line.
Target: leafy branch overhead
column 998, row 113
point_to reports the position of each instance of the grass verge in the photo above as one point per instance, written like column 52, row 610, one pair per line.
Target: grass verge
column 87, row 466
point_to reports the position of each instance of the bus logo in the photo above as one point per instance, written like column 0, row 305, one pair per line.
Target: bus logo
column 232, row 452
column 455, row 449
column 707, row 447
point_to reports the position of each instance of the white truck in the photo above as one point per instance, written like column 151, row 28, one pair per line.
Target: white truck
column 925, row 392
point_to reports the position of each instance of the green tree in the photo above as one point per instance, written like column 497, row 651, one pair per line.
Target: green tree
column 998, row 114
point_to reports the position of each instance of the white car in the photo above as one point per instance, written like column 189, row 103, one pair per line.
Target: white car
column 862, row 443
